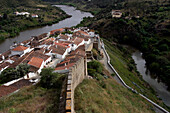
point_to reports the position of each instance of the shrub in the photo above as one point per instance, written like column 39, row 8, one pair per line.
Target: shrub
column 14, row 73
column 50, row 79
column 97, row 66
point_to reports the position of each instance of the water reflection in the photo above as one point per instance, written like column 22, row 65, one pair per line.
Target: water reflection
column 76, row 18
column 154, row 82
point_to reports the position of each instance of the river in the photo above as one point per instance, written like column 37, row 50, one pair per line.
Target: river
column 159, row 87
column 77, row 17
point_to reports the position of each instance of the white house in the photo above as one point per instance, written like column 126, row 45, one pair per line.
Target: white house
column 20, row 50
column 36, row 64
column 58, row 51
column 91, row 34
column 78, row 41
column 116, row 13
column 34, row 16
column 63, row 37
column 87, row 40
column 22, row 13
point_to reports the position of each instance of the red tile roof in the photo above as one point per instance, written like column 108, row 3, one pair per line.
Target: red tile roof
column 83, row 33
column 36, row 62
column 20, row 48
column 65, row 67
column 78, row 40
column 36, row 54
column 4, row 64
column 59, row 50
column 65, row 37
column 65, row 45
column 56, row 30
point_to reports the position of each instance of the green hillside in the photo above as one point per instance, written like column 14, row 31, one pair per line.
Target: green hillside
column 91, row 97
column 144, row 25
column 16, row 3
column 11, row 24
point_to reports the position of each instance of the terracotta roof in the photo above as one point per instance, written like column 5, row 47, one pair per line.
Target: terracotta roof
column 4, row 64
column 6, row 54
column 34, row 43
column 79, row 51
column 26, row 41
column 65, row 45
column 36, row 54
column 59, row 50
column 66, row 62
column 19, row 60
column 68, row 42
column 49, row 41
column 20, row 48
column 78, row 40
column 41, row 36
column 36, row 62
column 79, row 33
column 65, row 67
column 65, row 37
column 83, row 33
column 56, row 30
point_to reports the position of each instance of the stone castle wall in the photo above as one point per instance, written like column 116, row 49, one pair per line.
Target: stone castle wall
column 76, row 75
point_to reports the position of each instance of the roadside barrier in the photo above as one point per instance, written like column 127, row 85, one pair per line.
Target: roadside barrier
column 156, row 105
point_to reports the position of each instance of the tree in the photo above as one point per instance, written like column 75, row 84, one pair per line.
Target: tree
column 8, row 75
column 14, row 73
column 5, row 16
column 22, row 70
column 154, row 67
column 97, row 66
column 50, row 79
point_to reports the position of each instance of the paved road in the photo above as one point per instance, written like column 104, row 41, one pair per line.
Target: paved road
column 104, row 61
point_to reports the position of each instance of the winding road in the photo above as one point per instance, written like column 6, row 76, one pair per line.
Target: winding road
column 106, row 62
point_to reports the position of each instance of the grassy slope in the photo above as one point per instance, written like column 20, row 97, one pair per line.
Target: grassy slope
column 120, row 61
column 33, row 99
column 90, row 97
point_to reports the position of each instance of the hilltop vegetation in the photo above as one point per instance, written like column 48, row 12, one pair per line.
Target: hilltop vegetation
column 146, row 27
column 11, row 24
column 15, row 3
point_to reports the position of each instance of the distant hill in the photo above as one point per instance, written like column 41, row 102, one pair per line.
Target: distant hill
column 16, row 3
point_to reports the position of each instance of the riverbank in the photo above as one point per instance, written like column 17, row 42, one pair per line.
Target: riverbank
column 122, row 61
column 76, row 17
column 159, row 87
column 35, row 16
column 79, row 6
